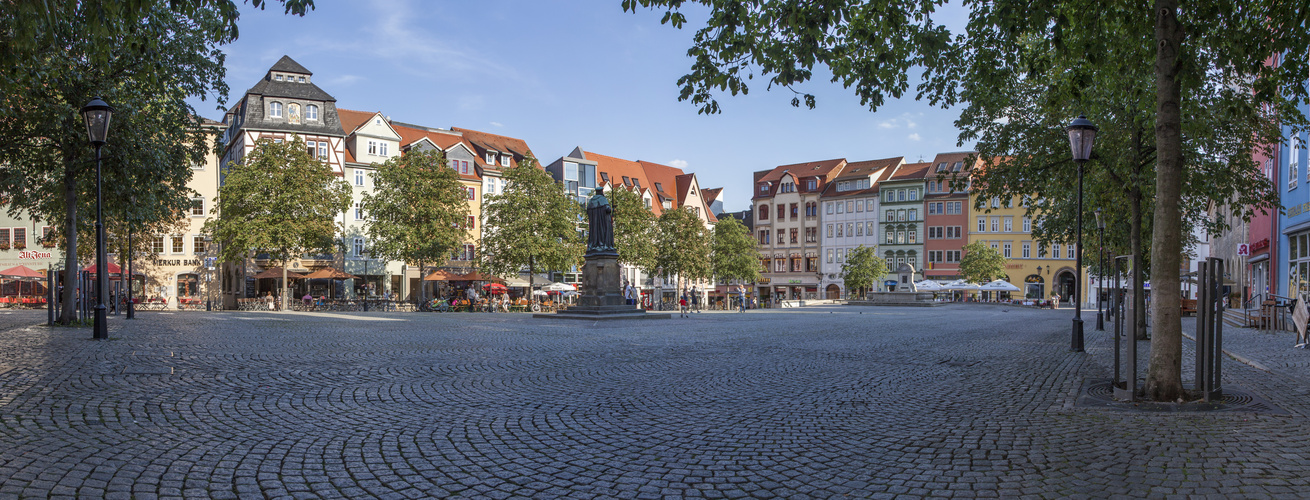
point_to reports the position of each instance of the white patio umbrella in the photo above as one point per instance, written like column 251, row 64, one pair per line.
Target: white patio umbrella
column 999, row 286
column 960, row 285
column 559, row 287
column 929, row 286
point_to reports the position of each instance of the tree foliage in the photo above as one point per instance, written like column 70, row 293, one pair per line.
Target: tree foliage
column 682, row 246
column 532, row 224
column 733, row 255
column 981, row 263
column 634, row 229
column 278, row 201
column 417, row 210
column 862, row 269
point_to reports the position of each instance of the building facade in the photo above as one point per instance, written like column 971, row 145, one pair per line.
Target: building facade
column 786, row 201
column 946, row 216
column 1038, row 269
column 902, row 215
column 848, row 218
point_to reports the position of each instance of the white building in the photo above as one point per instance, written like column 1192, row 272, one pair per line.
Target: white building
column 848, row 218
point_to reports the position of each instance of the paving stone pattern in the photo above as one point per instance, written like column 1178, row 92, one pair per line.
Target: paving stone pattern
column 822, row 402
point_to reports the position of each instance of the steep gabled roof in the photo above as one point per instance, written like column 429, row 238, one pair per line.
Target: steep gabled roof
column 822, row 170
column 710, row 195
column 618, row 169
column 486, row 141
column 883, row 169
column 911, row 171
column 351, row 120
column 666, row 177
column 288, row 65
column 410, row 135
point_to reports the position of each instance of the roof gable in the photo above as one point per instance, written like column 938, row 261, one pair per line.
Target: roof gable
column 288, row 65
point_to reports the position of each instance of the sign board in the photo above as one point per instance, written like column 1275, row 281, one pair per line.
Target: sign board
column 1300, row 317
column 1243, row 249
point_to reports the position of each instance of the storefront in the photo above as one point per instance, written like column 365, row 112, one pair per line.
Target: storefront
column 1034, row 287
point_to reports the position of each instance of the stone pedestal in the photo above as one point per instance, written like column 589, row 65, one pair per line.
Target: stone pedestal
column 602, row 293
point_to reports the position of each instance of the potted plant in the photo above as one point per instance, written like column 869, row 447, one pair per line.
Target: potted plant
column 4, row 245
column 20, row 245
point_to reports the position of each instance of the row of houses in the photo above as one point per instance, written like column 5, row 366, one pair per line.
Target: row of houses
column 807, row 217
column 285, row 105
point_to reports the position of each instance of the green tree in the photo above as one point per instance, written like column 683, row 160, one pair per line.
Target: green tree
column 417, row 210
column 279, row 201
column 981, row 263
column 531, row 224
column 682, row 246
column 862, row 269
column 634, row 229
column 733, row 255
column 1207, row 47
column 145, row 58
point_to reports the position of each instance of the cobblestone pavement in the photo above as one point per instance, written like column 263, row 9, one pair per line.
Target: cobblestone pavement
column 823, row 402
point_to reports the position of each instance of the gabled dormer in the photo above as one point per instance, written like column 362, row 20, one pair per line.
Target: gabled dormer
column 370, row 138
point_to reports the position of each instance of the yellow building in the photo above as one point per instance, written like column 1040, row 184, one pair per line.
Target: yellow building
column 1037, row 269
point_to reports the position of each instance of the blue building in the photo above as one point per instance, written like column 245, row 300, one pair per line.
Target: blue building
column 1294, row 191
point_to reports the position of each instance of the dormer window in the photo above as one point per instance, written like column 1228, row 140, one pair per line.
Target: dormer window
column 491, row 158
column 275, row 110
column 811, row 185
column 941, row 167
column 302, row 79
column 958, row 166
column 311, row 113
column 636, row 182
column 605, row 177
column 659, row 187
column 627, row 181
column 277, row 77
column 764, row 188
column 504, row 160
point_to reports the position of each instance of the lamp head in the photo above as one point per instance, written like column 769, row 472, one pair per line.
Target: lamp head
column 1081, row 135
column 97, row 114
column 1100, row 223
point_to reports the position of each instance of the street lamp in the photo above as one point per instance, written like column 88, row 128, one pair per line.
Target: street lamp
column 363, row 253
column 1100, row 280
column 131, row 308
column 1081, row 135
column 209, row 274
column 97, row 115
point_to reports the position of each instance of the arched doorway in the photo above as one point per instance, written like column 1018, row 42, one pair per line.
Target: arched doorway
column 833, row 292
column 1065, row 284
column 1034, row 287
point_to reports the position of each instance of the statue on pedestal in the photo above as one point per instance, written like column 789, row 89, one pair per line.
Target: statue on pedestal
column 600, row 224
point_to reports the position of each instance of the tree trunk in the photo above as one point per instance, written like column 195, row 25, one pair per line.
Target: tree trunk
column 1164, row 381
column 284, row 286
column 532, row 274
column 71, row 285
column 1139, row 265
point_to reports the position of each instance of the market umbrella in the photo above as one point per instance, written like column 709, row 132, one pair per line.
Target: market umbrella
column 477, row 276
column 276, row 272
column 113, row 269
column 999, row 286
column 960, row 285
column 330, row 273
column 442, row 276
column 494, row 287
column 928, row 285
column 21, row 271
column 559, row 287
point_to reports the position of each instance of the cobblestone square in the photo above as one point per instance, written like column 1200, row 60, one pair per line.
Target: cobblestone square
column 822, row 402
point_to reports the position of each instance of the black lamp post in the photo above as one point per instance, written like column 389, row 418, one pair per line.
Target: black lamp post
column 1081, row 135
column 97, row 115
column 1100, row 277
column 209, row 274
column 1042, row 293
column 131, row 308
column 363, row 253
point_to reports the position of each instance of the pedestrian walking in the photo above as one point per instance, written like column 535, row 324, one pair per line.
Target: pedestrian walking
column 682, row 307
column 695, row 299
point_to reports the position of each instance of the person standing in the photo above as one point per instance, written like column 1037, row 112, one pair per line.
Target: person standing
column 682, row 306
column 695, row 299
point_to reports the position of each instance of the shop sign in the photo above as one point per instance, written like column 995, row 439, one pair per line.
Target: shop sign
column 1260, row 245
column 794, row 282
column 763, row 281
column 33, row 255
column 192, row 262
column 1297, row 209
column 1014, row 266
column 1243, row 249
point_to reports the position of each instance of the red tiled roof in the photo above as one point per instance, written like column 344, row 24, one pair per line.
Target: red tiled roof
column 484, row 141
column 350, row 157
column 911, row 171
column 351, row 119
column 710, row 194
column 617, row 169
column 443, row 140
column 824, row 170
column 862, row 169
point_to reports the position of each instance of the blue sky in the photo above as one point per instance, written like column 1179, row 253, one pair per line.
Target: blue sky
column 561, row 74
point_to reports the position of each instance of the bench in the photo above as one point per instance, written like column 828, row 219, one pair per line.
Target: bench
column 1189, row 307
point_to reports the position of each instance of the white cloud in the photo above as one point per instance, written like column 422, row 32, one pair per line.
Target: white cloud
column 678, row 163
column 497, row 124
column 905, row 120
column 887, row 124
column 344, row 80
column 914, row 137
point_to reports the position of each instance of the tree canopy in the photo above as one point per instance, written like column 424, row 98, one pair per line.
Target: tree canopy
column 532, row 224
column 682, row 246
column 981, row 263
column 733, row 255
column 634, row 229
column 862, row 269
column 417, row 210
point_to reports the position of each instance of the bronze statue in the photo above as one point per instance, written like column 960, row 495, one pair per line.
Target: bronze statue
column 600, row 224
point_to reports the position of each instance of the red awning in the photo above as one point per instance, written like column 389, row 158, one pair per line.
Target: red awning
column 21, row 271
column 113, row 269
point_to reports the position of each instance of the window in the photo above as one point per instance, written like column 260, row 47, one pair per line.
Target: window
column 1027, row 249
column 178, row 244
column 275, row 110
column 958, row 165
column 982, row 224
column 914, row 194
column 795, row 236
column 954, row 232
column 779, row 265
column 1027, row 225
column 952, row 256
column 795, row 212
column 782, row 236
column 829, row 230
column 868, row 228
column 934, row 232
column 472, row 193
column 811, row 184
column 891, row 216
column 841, row 255
column 811, row 235
column 1005, row 250
column 197, row 207
column 359, row 247
column 504, row 160
column 1293, row 164
column 996, row 202
column 322, row 150
column 1055, row 251
column 850, row 231
column 764, row 188
column 829, row 209
column 782, row 211
column 373, row 147
column 914, row 237
column 840, row 208
column 1069, row 252
column 859, row 229
column 850, row 206
column 491, row 158
column 840, row 233
column 467, row 253
column 382, row 149
column 830, row 256
column 311, row 112
column 913, row 214
column 198, row 245
column 764, row 212
column 900, row 236
column 764, row 239
column 900, row 195
column 900, row 215
column 157, row 244
column 859, row 206
column 470, row 223
column 1009, row 224
column 891, row 236
column 932, row 208
column 996, row 224
column 1041, row 251
column 359, row 177
column 359, row 211
column 277, row 77
column 20, row 237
